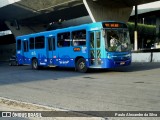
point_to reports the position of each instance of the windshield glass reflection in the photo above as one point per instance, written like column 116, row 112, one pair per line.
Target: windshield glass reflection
column 117, row 41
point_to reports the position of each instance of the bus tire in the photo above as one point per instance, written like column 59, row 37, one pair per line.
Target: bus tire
column 35, row 64
column 81, row 65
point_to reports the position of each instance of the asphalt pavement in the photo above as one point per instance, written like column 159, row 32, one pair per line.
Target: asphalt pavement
column 131, row 88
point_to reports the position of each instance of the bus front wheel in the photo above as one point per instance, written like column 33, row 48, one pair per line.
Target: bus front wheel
column 34, row 64
column 81, row 65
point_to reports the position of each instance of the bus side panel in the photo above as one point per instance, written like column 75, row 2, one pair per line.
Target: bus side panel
column 19, row 57
column 64, row 58
column 26, row 59
column 82, row 52
column 67, row 56
column 40, row 55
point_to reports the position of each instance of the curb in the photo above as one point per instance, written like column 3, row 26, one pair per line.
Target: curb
column 30, row 107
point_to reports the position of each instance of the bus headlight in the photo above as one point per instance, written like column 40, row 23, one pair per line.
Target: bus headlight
column 109, row 56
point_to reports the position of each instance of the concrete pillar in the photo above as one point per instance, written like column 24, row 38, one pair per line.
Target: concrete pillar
column 135, row 31
column 19, row 30
column 135, row 40
column 100, row 12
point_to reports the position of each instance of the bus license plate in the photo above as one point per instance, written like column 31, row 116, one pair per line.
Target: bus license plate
column 122, row 63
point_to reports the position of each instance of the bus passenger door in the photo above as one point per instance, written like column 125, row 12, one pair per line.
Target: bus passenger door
column 95, row 50
column 19, row 51
column 25, row 52
column 51, row 56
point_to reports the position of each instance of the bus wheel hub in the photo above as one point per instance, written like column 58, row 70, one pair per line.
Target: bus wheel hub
column 81, row 65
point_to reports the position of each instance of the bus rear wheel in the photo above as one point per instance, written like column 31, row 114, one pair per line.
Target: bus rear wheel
column 35, row 64
column 81, row 65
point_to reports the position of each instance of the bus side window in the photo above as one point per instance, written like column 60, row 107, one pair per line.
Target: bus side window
column 31, row 43
column 19, row 44
column 79, row 38
column 39, row 42
column 25, row 46
column 63, row 39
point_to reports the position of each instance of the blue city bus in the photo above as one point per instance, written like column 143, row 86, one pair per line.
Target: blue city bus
column 94, row 45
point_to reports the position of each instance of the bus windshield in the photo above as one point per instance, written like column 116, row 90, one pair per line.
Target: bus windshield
column 117, row 40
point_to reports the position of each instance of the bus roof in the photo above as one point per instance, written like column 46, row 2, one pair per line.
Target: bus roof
column 72, row 28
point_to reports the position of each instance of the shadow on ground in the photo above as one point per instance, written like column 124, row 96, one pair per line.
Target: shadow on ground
column 19, row 74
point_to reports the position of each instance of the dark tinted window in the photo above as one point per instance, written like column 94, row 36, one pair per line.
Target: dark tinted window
column 18, row 44
column 98, row 37
column 39, row 42
column 92, row 40
column 79, row 38
column 63, row 39
column 25, row 46
column 51, row 43
column 31, row 43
